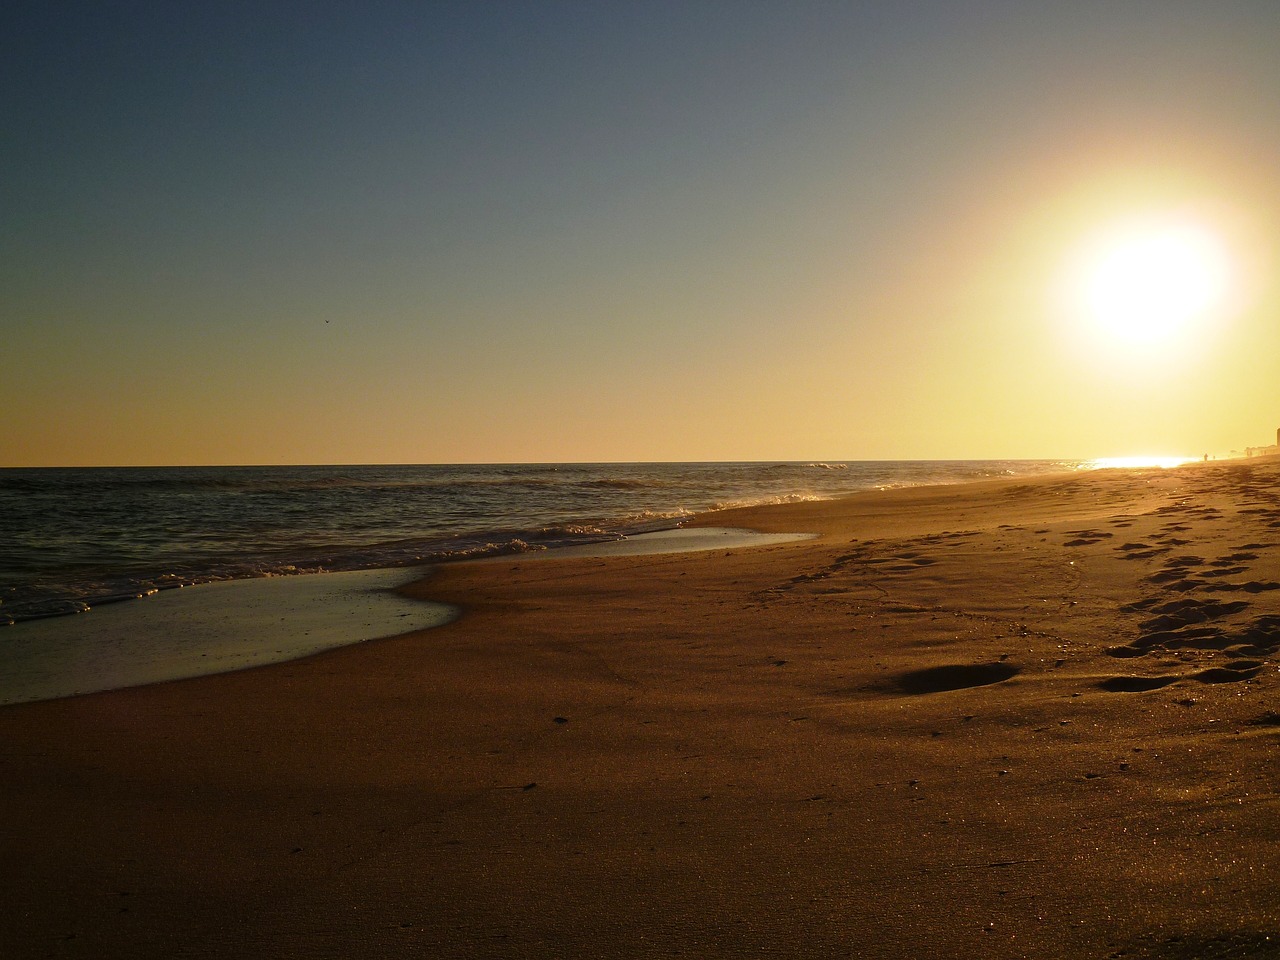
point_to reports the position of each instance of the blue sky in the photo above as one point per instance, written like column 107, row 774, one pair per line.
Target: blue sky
column 414, row 232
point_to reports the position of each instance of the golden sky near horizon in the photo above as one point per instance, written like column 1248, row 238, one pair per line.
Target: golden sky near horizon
column 518, row 233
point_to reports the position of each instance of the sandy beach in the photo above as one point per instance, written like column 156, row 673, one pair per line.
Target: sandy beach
column 1023, row 718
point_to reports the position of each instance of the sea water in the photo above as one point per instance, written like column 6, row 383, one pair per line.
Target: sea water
column 72, row 539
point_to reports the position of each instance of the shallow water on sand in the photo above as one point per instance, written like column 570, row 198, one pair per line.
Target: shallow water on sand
column 212, row 628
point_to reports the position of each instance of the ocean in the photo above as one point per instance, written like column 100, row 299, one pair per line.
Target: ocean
column 76, row 538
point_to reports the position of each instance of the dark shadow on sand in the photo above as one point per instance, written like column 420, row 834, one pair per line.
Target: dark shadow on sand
column 954, row 677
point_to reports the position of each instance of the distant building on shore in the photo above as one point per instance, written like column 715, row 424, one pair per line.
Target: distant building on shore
column 1264, row 451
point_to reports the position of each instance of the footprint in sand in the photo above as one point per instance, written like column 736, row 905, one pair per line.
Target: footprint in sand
column 1140, row 551
column 1224, row 571
column 903, row 561
column 1083, row 538
column 954, row 677
column 1184, row 561
column 1250, row 586
column 1244, row 647
column 1135, row 684
column 1234, row 673
column 1175, row 582
column 1179, row 613
column 1262, row 636
column 1174, row 573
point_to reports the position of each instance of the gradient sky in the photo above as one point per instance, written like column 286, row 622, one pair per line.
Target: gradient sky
column 432, row 232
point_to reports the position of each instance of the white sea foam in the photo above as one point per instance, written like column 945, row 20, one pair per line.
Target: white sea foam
column 766, row 501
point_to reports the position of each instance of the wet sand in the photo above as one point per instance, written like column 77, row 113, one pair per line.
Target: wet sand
column 1017, row 718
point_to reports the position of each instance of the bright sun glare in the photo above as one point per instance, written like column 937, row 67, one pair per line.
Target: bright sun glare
column 1148, row 281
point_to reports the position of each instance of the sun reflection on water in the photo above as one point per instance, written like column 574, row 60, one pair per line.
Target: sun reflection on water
column 1104, row 463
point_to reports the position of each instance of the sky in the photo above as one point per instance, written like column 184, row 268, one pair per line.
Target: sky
column 416, row 232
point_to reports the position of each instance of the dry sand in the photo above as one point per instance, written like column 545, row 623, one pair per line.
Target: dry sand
column 1011, row 719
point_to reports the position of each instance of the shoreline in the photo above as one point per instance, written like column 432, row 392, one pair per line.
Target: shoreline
column 163, row 528
column 229, row 625
column 1026, row 717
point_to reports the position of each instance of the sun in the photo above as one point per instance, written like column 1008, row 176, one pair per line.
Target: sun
column 1149, row 280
